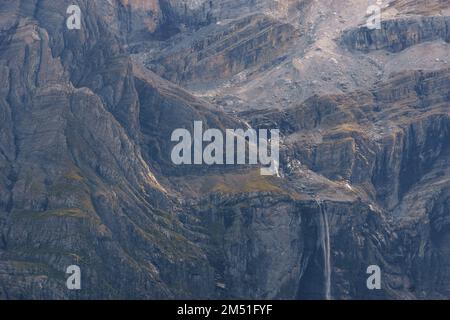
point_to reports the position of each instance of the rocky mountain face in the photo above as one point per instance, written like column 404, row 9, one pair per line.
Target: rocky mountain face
column 86, row 178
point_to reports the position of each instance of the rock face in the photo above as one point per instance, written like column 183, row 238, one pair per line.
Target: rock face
column 397, row 35
column 221, row 53
column 86, row 177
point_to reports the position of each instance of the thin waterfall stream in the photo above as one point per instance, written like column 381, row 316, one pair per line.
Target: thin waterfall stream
column 325, row 242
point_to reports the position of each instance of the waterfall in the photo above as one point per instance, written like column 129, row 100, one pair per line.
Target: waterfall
column 325, row 242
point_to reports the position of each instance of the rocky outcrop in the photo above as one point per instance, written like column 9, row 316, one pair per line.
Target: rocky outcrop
column 421, row 6
column 219, row 53
column 268, row 246
column 399, row 34
column 352, row 131
column 399, row 166
column 75, row 186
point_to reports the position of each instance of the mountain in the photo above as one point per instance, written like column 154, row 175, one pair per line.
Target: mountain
column 86, row 177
